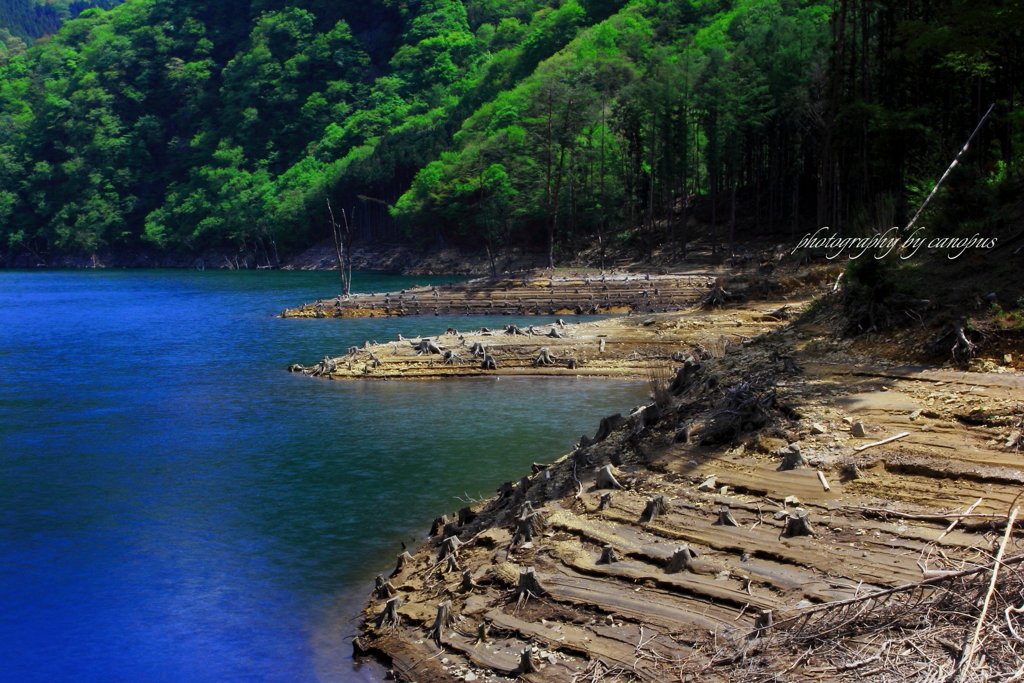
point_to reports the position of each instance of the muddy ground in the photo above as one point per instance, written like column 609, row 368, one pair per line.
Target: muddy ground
column 783, row 510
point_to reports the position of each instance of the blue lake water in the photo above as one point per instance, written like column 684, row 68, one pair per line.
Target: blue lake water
column 175, row 506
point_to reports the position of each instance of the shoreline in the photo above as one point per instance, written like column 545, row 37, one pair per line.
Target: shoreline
column 665, row 545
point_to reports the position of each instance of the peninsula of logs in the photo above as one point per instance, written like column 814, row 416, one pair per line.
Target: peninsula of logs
column 539, row 294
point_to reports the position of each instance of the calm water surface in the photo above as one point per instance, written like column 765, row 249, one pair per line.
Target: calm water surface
column 174, row 506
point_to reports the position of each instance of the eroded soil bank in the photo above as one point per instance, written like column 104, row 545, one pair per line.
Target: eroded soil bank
column 782, row 510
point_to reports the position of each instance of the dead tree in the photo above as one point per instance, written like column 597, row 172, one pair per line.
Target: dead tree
column 725, row 517
column 528, row 586
column 798, row 524
column 388, row 617
column 655, row 506
column 606, row 479
column 443, row 620
column 544, row 358
column 608, row 555
column 342, row 248
column 384, row 588
column 404, row 560
column 489, row 363
column 680, row 560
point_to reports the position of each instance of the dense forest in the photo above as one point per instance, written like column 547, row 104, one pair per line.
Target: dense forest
column 31, row 19
column 486, row 123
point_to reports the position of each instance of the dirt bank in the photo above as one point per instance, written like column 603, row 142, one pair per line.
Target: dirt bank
column 770, row 516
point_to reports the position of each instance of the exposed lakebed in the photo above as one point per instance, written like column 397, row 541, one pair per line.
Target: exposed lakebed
column 175, row 506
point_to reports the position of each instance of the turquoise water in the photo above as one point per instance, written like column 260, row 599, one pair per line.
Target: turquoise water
column 175, row 506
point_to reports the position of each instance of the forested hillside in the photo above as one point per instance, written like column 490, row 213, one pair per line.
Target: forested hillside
column 31, row 19
column 551, row 123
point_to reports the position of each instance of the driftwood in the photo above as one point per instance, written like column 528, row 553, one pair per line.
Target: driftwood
column 655, row 506
column 388, row 617
column 443, row 620
column 883, row 441
column 607, row 480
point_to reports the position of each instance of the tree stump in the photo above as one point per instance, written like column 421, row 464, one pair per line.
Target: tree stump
column 572, row 363
column 448, row 547
column 798, row 524
column 792, row 458
column 489, row 363
column 450, row 529
column 762, row 624
column 554, row 334
column 528, row 586
column 482, row 632
column 607, row 480
column 468, row 584
column 608, row 425
column 388, row 617
column 426, row 346
column 504, row 491
column 438, row 524
column 443, row 620
column 725, row 517
column 404, row 560
column 655, row 506
column 544, row 357
column 608, row 555
column 478, row 349
column 452, row 565
column 466, row 515
column 526, row 665
column 679, row 561
column 604, row 502
column 384, row 588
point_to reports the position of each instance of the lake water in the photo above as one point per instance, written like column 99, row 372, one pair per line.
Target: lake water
column 175, row 506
